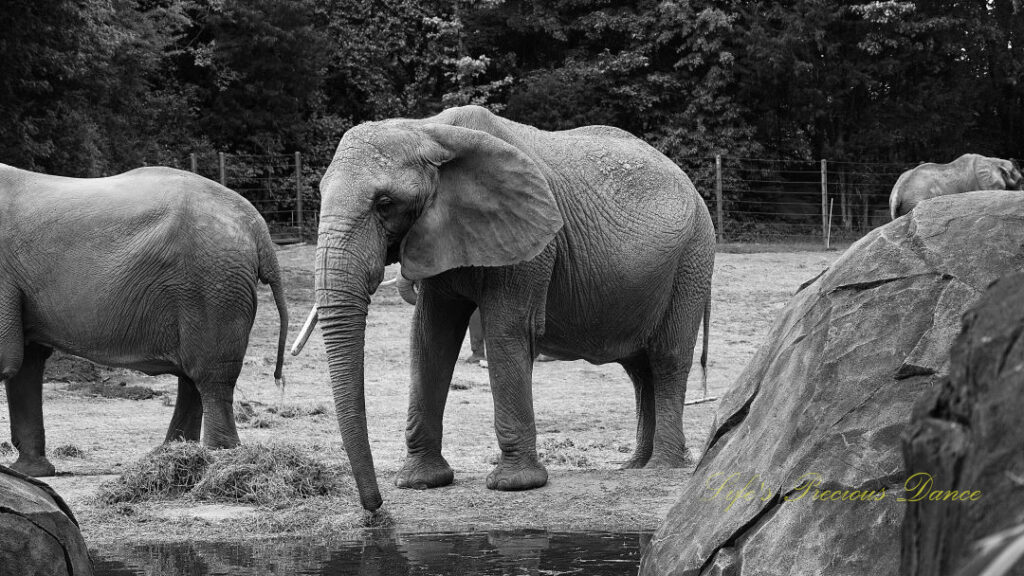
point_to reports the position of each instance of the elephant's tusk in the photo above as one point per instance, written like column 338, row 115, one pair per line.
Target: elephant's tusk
column 389, row 282
column 307, row 329
column 701, row 401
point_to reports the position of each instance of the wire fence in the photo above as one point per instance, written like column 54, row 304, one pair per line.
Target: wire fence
column 283, row 187
column 765, row 200
column 750, row 199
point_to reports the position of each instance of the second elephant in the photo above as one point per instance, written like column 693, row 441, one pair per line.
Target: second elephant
column 967, row 173
column 154, row 270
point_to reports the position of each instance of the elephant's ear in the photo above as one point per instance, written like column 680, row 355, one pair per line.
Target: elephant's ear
column 492, row 206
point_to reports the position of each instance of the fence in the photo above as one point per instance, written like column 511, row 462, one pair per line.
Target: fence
column 757, row 199
column 283, row 187
column 750, row 199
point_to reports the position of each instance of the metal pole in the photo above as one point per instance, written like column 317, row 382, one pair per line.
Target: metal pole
column 828, row 235
column 718, row 197
column 824, row 203
column 223, row 174
column 298, row 191
column 194, row 162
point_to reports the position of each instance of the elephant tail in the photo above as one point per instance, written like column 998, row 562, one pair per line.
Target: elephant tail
column 270, row 273
column 704, row 352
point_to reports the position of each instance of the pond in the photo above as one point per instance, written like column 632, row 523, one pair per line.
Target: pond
column 531, row 552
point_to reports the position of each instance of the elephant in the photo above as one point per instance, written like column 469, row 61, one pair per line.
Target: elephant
column 581, row 244
column 154, row 269
column 967, row 173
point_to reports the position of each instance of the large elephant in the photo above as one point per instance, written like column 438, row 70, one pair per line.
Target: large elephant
column 967, row 173
column 582, row 244
column 155, row 269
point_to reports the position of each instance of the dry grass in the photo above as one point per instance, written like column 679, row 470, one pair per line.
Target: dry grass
column 566, row 453
column 267, row 475
column 253, row 414
column 263, row 474
column 169, row 471
column 113, row 390
column 68, row 451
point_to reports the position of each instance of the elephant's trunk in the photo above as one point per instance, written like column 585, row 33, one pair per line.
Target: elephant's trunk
column 343, row 285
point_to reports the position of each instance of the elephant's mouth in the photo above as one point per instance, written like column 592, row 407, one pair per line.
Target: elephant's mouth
column 394, row 253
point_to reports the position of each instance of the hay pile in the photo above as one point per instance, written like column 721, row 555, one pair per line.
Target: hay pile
column 263, row 474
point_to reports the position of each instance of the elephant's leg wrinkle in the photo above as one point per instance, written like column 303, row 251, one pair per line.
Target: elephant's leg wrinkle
column 669, row 445
column 439, row 327
column 188, row 413
column 25, row 401
column 639, row 370
column 510, row 366
column 219, row 423
column 216, row 388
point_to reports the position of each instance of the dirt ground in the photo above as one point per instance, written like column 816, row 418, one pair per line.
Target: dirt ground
column 585, row 423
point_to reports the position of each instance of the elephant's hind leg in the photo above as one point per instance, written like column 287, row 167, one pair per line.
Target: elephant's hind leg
column 188, row 413
column 25, row 401
column 671, row 357
column 639, row 370
column 216, row 386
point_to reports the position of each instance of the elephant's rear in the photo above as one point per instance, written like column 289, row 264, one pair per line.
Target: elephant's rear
column 634, row 223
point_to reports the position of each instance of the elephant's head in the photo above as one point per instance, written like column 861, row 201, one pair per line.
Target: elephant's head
column 998, row 174
column 434, row 195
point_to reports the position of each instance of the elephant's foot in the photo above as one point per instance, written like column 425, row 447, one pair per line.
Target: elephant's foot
column 521, row 474
column 475, row 358
column 636, row 462
column 676, row 459
column 422, row 472
column 35, row 467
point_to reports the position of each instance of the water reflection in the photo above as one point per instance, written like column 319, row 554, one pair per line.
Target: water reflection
column 380, row 553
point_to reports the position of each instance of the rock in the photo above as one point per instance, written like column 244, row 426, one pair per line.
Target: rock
column 38, row 532
column 968, row 439
column 828, row 395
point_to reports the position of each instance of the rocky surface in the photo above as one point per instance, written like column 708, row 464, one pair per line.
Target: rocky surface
column 827, row 397
column 38, row 532
column 968, row 441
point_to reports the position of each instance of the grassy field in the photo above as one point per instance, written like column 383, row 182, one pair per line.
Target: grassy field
column 100, row 421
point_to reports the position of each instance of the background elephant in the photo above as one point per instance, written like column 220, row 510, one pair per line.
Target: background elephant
column 582, row 244
column 967, row 173
column 154, row 269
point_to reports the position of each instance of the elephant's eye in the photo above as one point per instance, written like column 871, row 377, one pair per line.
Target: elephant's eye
column 384, row 206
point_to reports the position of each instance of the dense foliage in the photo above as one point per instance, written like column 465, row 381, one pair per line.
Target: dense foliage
column 89, row 88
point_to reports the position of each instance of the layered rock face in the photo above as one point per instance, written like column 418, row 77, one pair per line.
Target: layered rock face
column 969, row 440
column 803, row 470
column 38, row 533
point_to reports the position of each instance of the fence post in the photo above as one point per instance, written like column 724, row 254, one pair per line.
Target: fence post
column 223, row 174
column 298, row 191
column 824, row 202
column 194, row 162
column 718, row 197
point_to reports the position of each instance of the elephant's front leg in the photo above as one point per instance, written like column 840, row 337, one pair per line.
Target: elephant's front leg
column 25, row 400
column 438, row 329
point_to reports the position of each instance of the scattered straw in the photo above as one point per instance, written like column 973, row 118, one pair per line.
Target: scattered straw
column 68, row 451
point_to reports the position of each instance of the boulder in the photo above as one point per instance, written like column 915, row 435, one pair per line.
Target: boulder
column 967, row 441
column 38, row 532
column 802, row 472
